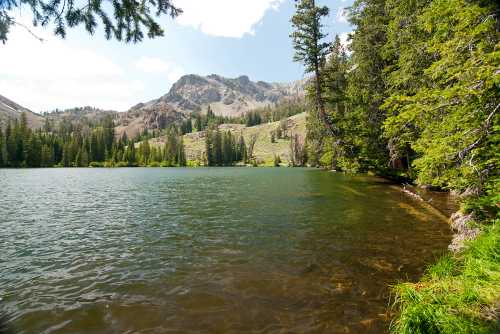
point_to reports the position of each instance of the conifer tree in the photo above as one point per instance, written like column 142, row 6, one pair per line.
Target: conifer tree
column 310, row 49
column 210, row 113
column 227, row 149
column 209, row 147
column 181, row 153
column 217, row 144
column 242, row 149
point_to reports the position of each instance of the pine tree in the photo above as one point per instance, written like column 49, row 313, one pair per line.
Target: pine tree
column 209, row 147
column 198, row 124
column 227, row 149
column 217, row 148
column 310, row 49
column 144, row 153
column 242, row 149
column 210, row 113
column 33, row 151
column 181, row 153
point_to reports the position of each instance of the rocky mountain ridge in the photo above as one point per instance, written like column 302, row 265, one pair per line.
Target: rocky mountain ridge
column 226, row 96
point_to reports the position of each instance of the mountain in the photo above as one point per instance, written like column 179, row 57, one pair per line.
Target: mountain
column 190, row 94
column 9, row 110
column 226, row 97
column 194, row 93
column 146, row 116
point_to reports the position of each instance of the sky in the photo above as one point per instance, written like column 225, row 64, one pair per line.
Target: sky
column 225, row 37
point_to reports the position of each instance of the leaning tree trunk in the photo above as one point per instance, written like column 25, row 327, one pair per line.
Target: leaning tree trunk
column 320, row 108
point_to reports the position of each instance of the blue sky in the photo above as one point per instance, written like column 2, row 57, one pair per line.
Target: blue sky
column 226, row 37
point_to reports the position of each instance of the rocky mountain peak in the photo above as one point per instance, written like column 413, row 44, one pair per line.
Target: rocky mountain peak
column 226, row 96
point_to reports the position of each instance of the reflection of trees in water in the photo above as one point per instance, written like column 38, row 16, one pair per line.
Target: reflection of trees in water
column 360, row 239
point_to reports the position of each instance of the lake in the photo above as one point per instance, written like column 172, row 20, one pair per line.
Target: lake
column 212, row 250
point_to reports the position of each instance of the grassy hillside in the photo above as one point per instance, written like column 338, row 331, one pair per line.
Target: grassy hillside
column 264, row 150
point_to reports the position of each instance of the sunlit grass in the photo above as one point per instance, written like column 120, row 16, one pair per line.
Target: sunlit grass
column 458, row 294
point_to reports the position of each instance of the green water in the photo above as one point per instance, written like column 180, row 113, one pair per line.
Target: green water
column 218, row 250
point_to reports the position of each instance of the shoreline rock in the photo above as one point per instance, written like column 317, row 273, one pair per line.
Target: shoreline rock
column 460, row 223
column 463, row 232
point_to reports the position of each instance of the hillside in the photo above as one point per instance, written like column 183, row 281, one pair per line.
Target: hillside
column 9, row 110
column 264, row 150
column 143, row 116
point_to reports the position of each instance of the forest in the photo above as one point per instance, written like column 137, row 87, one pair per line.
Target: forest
column 84, row 144
column 415, row 96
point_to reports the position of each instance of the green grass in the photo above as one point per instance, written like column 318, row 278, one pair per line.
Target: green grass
column 458, row 294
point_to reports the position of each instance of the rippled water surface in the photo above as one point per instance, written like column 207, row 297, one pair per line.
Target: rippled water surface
column 219, row 250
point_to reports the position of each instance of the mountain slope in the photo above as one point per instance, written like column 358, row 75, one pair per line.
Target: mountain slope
column 264, row 150
column 226, row 97
column 9, row 110
column 144, row 116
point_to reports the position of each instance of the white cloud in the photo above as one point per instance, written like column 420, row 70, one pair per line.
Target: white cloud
column 50, row 74
column 158, row 66
column 225, row 18
column 152, row 65
column 342, row 15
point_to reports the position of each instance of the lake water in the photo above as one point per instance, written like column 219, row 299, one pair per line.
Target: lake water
column 207, row 250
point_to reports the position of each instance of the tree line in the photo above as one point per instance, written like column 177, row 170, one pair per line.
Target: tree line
column 84, row 144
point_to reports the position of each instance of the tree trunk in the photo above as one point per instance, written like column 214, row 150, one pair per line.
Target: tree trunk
column 320, row 107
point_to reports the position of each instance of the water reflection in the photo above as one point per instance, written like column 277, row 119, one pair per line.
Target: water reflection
column 211, row 250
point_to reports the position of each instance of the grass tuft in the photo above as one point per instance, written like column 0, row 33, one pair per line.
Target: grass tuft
column 458, row 294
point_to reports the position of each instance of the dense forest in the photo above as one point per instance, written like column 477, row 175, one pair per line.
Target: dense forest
column 415, row 95
column 84, row 144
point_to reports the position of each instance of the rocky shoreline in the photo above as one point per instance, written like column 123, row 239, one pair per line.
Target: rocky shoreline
column 461, row 224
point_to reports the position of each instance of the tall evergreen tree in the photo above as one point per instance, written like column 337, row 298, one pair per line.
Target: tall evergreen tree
column 311, row 50
column 242, row 149
column 181, row 153
column 209, row 147
column 217, row 147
